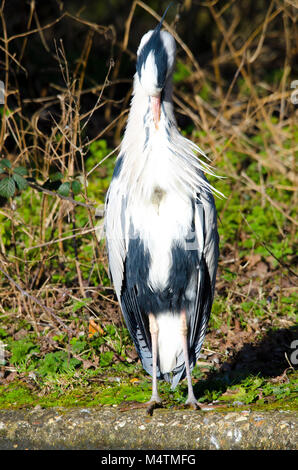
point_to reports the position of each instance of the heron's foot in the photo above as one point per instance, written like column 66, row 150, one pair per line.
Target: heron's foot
column 154, row 402
column 191, row 402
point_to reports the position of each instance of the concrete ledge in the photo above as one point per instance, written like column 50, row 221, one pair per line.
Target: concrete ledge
column 108, row 428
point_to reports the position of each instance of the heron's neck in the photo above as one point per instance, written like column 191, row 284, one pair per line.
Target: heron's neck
column 146, row 150
column 140, row 123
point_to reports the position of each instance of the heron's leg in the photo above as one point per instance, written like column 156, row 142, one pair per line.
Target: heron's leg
column 191, row 399
column 153, row 326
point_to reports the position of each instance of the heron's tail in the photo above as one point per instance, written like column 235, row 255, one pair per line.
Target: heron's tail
column 174, row 377
column 169, row 341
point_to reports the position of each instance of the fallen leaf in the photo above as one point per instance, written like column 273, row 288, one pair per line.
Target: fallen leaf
column 134, row 380
column 94, row 328
column 253, row 259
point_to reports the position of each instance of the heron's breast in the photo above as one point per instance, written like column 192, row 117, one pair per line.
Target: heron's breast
column 162, row 222
column 158, row 194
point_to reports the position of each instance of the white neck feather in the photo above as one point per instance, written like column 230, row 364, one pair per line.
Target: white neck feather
column 144, row 147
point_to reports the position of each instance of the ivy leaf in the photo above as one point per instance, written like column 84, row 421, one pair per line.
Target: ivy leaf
column 64, row 189
column 7, row 187
column 21, row 182
column 76, row 187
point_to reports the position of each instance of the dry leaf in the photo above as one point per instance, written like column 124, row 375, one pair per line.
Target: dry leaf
column 94, row 328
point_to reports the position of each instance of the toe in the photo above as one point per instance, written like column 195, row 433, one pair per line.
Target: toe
column 152, row 404
column 193, row 403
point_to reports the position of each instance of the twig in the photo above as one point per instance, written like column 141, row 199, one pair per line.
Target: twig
column 65, row 198
column 101, row 161
column 36, row 30
column 282, row 263
column 38, row 302
column 252, row 58
column 255, row 187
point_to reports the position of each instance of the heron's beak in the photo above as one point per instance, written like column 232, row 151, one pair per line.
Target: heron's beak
column 155, row 103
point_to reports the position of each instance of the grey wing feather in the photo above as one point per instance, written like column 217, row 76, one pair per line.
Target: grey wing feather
column 138, row 327
column 207, row 238
column 211, row 245
column 207, row 223
column 115, row 236
column 117, row 243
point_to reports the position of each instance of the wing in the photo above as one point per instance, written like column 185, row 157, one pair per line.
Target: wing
column 115, row 234
column 117, row 241
column 206, row 229
column 138, row 326
column 207, row 246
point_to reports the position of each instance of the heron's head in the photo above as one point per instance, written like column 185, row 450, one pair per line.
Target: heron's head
column 155, row 64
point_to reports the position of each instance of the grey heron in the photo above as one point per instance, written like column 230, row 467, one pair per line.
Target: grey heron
column 161, row 227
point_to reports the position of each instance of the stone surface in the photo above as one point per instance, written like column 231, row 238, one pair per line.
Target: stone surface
column 108, row 428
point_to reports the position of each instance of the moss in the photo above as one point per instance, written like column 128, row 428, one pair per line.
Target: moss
column 115, row 390
column 16, row 395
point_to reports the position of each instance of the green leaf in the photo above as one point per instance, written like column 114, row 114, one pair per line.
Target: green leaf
column 76, row 187
column 56, row 176
column 77, row 345
column 7, row 187
column 181, row 73
column 57, row 362
column 20, row 170
column 81, row 303
column 21, row 182
column 64, row 189
column 106, row 358
column 20, row 349
column 5, row 163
